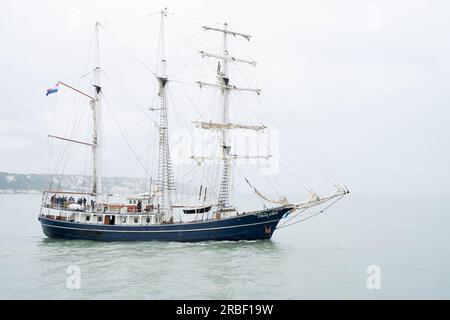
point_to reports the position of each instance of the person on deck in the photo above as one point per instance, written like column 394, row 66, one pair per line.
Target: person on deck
column 139, row 206
column 53, row 200
column 64, row 202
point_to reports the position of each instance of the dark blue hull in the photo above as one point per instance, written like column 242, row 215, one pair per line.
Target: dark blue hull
column 260, row 225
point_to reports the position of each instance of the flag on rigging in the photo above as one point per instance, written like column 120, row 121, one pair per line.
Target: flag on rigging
column 52, row 90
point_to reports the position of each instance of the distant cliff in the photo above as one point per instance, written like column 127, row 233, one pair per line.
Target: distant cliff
column 36, row 183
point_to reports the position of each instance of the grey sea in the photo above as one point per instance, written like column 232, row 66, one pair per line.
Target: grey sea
column 364, row 247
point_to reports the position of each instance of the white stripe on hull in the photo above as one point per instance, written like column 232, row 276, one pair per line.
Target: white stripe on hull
column 153, row 231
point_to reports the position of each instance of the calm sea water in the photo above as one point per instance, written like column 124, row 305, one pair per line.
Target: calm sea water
column 326, row 257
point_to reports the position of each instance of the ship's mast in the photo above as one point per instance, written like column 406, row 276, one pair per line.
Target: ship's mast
column 222, row 76
column 96, row 134
column 166, row 183
column 223, row 82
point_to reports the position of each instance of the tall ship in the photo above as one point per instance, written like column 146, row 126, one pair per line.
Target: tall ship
column 201, row 209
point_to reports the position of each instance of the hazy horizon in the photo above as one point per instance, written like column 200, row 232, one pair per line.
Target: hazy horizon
column 368, row 80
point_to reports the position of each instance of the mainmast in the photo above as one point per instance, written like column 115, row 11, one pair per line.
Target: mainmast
column 165, row 182
column 96, row 134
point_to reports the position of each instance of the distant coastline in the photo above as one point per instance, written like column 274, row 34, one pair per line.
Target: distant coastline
column 19, row 183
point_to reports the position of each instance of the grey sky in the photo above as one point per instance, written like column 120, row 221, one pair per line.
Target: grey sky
column 368, row 80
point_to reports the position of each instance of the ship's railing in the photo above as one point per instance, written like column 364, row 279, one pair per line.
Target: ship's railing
column 85, row 202
column 68, row 200
column 125, row 219
column 58, row 214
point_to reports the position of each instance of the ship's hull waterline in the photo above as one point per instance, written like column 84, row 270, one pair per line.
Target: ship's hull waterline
column 254, row 226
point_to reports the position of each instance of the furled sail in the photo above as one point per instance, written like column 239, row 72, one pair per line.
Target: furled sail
column 315, row 200
column 219, row 126
column 282, row 201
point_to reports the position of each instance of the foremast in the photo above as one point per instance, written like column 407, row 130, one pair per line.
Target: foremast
column 223, row 82
column 165, row 177
column 223, row 79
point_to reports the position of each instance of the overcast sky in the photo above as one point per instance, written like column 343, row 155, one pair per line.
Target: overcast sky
column 368, row 80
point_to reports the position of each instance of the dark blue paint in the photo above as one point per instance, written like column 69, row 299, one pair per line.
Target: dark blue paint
column 255, row 226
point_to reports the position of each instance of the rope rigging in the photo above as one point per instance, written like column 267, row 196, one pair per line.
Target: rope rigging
column 129, row 51
column 326, row 171
column 126, row 139
column 208, row 176
column 325, row 164
column 285, row 224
